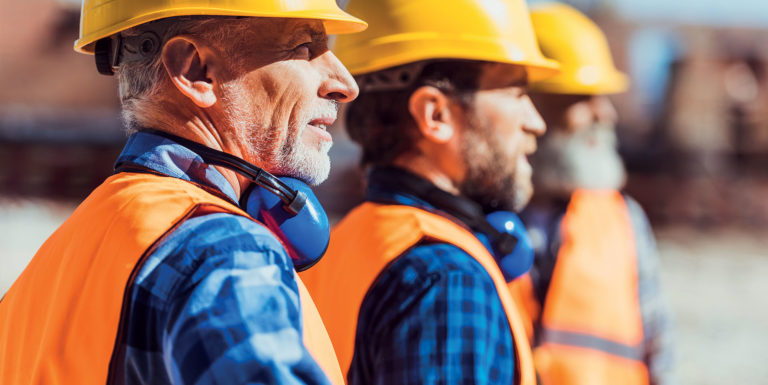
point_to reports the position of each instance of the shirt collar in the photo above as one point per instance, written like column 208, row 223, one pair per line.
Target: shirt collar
column 164, row 156
column 379, row 190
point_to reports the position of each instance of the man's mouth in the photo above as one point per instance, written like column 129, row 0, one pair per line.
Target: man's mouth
column 530, row 148
column 320, row 127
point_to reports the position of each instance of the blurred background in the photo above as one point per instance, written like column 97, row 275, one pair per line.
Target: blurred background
column 693, row 129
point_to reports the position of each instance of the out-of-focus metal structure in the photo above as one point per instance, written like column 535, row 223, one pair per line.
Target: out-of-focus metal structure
column 59, row 120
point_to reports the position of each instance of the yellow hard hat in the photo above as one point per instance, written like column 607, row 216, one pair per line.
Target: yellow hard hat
column 103, row 18
column 575, row 41
column 407, row 31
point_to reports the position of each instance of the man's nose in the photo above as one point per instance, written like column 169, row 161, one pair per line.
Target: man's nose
column 338, row 85
column 533, row 122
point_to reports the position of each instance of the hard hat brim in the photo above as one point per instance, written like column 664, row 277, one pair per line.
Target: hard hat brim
column 610, row 83
column 335, row 22
column 387, row 54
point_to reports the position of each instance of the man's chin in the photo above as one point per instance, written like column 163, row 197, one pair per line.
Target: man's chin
column 522, row 195
column 312, row 171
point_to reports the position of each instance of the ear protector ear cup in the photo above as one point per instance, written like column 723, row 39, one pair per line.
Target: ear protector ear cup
column 306, row 234
column 510, row 243
column 287, row 206
column 514, row 258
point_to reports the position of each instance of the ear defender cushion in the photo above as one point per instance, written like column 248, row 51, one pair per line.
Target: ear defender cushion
column 306, row 234
column 517, row 261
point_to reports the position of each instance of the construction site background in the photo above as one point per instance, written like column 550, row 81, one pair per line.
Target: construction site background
column 694, row 135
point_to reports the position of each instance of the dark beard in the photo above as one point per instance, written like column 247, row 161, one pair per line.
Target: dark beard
column 490, row 178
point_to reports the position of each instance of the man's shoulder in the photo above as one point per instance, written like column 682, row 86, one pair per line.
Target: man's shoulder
column 636, row 210
column 225, row 230
column 437, row 259
column 214, row 242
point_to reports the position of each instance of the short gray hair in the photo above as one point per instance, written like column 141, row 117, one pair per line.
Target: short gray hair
column 141, row 80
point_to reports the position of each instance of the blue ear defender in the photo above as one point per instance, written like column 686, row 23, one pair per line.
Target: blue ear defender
column 305, row 233
column 513, row 249
column 287, row 206
column 508, row 239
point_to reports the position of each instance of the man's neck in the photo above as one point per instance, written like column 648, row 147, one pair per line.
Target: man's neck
column 200, row 128
column 428, row 170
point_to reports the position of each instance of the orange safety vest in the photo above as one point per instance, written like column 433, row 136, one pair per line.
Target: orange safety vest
column 365, row 242
column 590, row 329
column 60, row 321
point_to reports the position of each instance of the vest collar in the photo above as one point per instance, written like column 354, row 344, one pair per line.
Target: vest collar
column 379, row 190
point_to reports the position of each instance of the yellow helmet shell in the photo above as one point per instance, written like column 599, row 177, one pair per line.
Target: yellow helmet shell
column 407, row 31
column 569, row 37
column 103, row 18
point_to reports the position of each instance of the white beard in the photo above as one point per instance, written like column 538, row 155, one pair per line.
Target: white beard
column 587, row 159
column 308, row 163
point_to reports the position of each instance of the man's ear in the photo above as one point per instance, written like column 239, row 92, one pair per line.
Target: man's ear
column 190, row 70
column 431, row 110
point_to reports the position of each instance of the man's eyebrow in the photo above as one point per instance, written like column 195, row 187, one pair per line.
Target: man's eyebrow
column 521, row 81
column 300, row 33
column 319, row 35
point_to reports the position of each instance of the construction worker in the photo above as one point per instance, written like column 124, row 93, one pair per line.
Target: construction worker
column 181, row 267
column 592, row 294
column 411, row 288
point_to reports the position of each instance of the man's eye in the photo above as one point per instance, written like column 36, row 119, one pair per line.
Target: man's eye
column 518, row 92
column 303, row 50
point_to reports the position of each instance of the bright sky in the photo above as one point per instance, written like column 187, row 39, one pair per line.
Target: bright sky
column 751, row 13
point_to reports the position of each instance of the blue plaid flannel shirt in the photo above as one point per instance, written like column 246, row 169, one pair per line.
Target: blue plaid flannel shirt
column 432, row 317
column 217, row 301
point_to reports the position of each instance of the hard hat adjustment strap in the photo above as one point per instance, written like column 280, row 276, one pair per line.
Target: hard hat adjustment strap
column 119, row 48
column 142, row 47
column 107, row 54
column 111, row 51
column 391, row 79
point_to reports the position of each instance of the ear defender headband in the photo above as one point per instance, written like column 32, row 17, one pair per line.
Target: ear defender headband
column 511, row 245
column 286, row 205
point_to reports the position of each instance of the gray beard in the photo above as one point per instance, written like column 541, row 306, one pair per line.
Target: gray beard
column 298, row 160
column 587, row 159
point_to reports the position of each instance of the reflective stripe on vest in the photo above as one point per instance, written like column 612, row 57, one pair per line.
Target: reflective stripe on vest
column 365, row 242
column 591, row 328
column 60, row 321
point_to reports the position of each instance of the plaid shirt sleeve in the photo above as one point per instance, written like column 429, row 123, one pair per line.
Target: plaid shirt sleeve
column 217, row 303
column 433, row 317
